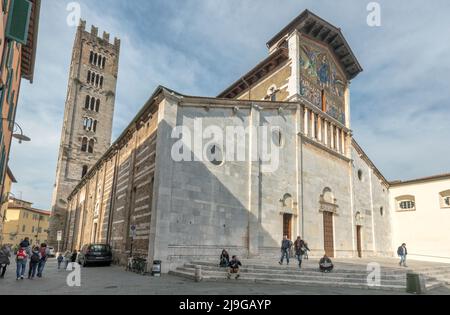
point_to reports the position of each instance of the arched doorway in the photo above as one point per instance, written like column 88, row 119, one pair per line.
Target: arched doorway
column 328, row 208
column 359, row 227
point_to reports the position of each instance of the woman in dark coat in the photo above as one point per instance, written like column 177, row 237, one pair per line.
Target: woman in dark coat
column 224, row 259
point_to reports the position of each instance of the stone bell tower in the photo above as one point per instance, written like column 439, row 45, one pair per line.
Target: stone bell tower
column 88, row 116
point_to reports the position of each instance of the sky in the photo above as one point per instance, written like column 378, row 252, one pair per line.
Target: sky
column 400, row 104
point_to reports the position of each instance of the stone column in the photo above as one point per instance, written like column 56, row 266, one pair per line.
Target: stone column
column 305, row 124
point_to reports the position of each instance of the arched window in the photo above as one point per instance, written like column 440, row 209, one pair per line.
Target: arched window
column 103, row 62
column 92, row 104
column 93, row 78
column 91, row 57
column 91, row 146
column 97, row 80
column 94, row 128
column 84, row 171
column 95, row 59
column 97, row 106
column 445, row 199
column 88, row 100
column 89, row 75
column 85, row 123
column 101, row 82
column 100, row 60
column 406, row 203
column 84, row 144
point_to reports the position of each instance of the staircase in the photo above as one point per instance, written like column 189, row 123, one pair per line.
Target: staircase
column 347, row 274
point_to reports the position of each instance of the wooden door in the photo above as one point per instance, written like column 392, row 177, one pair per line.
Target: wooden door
column 328, row 233
column 287, row 225
column 358, row 240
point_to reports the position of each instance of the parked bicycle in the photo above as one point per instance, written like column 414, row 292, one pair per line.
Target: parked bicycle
column 137, row 265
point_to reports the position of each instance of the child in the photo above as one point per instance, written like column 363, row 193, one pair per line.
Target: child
column 60, row 260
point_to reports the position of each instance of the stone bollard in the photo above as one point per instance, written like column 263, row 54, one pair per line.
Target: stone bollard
column 198, row 273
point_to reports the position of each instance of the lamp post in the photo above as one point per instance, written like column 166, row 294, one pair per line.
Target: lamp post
column 18, row 136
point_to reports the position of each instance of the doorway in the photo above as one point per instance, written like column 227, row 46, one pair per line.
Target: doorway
column 358, row 240
column 328, row 231
column 287, row 225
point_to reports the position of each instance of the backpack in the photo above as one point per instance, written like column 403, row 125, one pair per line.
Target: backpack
column 21, row 254
column 35, row 258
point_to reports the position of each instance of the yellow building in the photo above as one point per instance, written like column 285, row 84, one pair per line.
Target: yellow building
column 9, row 180
column 24, row 221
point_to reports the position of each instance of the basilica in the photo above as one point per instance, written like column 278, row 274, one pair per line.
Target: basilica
column 142, row 201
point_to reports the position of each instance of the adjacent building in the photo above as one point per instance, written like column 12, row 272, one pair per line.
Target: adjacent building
column 19, row 20
column 421, row 210
column 9, row 180
column 22, row 220
column 88, row 115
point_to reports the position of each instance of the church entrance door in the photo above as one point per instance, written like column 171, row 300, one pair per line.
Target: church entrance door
column 358, row 240
column 287, row 225
column 328, row 233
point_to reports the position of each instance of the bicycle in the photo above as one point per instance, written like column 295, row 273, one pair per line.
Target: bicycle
column 137, row 265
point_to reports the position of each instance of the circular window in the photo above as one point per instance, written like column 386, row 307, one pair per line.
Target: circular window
column 214, row 154
column 360, row 175
column 382, row 211
column 277, row 137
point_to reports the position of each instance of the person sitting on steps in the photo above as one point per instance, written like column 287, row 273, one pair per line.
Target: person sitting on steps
column 224, row 259
column 325, row 264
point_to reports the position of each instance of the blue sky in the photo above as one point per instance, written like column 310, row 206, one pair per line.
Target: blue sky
column 400, row 103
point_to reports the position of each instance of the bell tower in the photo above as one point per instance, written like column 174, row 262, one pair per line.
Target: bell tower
column 88, row 116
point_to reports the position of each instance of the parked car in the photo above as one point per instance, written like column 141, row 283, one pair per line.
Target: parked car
column 94, row 254
column 51, row 251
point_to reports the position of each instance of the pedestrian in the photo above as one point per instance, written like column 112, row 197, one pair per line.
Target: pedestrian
column 5, row 254
column 300, row 249
column 44, row 253
column 25, row 243
column 34, row 262
column 60, row 260
column 286, row 244
column 67, row 258
column 402, row 253
column 73, row 258
column 21, row 262
column 325, row 264
column 305, row 255
column 224, row 259
column 234, row 265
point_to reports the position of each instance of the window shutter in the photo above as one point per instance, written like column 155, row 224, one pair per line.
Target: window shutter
column 18, row 21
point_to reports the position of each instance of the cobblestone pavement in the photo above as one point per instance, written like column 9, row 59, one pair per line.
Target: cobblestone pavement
column 114, row 280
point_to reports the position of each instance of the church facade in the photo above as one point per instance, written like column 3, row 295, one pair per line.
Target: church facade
column 315, row 180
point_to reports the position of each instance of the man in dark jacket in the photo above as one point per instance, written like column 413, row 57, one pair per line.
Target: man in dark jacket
column 402, row 252
column 300, row 249
column 234, row 267
column 286, row 245
column 25, row 243
column 325, row 264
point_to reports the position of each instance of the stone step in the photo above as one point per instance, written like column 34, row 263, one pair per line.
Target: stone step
column 311, row 277
column 269, row 280
column 305, row 271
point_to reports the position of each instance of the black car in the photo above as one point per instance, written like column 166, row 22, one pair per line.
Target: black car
column 95, row 254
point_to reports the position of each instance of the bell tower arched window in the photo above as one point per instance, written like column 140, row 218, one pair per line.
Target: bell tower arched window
column 84, row 144
column 91, row 146
column 84, row 171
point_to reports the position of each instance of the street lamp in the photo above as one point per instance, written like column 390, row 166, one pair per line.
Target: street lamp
column 19, row 136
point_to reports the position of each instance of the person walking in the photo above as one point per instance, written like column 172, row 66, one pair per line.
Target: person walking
column 21, row 263
column 402, row 253
column 286, row 244
column 67, row 258
column 234, row 265
column 34, row 263
column 44, row 253
column 25, row 243
column 73, row 258
column 300, row 249
column 60, row 260
column 5, row 254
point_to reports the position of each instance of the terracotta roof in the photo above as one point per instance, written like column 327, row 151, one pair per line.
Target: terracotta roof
column 419, row 180
column 29, row 51
column 319, row 29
